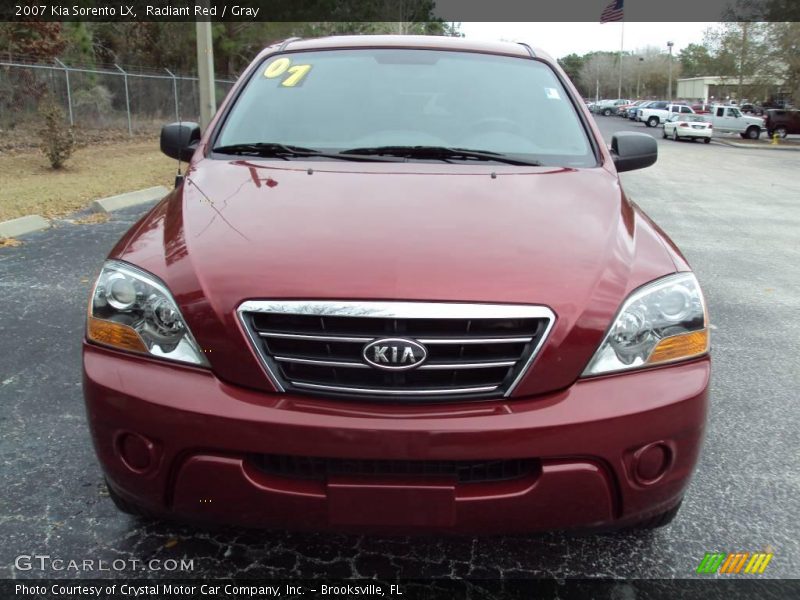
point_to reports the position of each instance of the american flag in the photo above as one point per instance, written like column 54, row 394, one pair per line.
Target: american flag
column 612, row 12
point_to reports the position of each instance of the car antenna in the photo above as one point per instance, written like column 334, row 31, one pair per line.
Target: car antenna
column 179, row 175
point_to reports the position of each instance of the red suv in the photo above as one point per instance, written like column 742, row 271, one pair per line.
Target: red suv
column 782, row 122
column 399, row 289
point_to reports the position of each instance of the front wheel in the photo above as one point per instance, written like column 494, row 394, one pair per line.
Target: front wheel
column 781, row 131
column 652, row 122
column 707, row 141
column 675, row 135
column 753, row 133
column 664, row 133
column 607, row 112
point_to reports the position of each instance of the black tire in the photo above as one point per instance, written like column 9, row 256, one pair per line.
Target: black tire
column 675, row 135
column 661, row 520
column 129, row 507
column 607, row 112
column 706, row 140
column 664, row 133
column 753, row 133
column 781, row 131
column 652, row 122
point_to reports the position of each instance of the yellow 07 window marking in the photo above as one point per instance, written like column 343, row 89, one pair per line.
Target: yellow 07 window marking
column 298, row 72
column 282, row 65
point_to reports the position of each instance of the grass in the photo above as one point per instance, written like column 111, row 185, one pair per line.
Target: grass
column 31, row 187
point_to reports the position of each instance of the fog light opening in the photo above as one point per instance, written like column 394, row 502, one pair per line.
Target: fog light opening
column 136, row 452
column 651, row 462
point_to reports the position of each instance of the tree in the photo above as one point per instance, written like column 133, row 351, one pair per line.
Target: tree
column 743, row 53
column 39, row 41
column 57, row 138
column 572, row 64
column 695, row 61
column 598, row 73
column 784, row 40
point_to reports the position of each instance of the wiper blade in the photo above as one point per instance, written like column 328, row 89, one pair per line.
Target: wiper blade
column 439, row 152
column 264, row 149
column 284, row 151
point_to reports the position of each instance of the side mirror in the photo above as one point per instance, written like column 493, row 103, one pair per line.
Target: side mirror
column 632, row 151
column 179, row 140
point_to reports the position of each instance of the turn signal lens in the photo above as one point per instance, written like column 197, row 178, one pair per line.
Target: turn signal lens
column 114, row 334
column 676, row 347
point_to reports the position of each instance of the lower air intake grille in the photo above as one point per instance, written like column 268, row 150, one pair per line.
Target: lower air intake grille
column 468, row 351
column 463, row 471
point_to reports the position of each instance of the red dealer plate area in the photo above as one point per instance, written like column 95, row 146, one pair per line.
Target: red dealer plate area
column 362, row 502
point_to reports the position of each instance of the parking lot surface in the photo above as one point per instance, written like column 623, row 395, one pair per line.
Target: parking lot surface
column 735, row 213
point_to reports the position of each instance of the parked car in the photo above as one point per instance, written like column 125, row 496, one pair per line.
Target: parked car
column 654, row 115
column 368, row 306
column 633, row 111
column 702, row 109
column 691, row 127
column 782, row 122
column 609, row 107
column 729, row 119
column 749, row 108
column 622, row 111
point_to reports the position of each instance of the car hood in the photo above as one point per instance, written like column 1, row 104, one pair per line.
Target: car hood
column 238, row 230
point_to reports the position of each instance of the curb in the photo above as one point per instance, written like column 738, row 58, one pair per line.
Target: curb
column 753, row 147
column 112, row 203
column 23, row 225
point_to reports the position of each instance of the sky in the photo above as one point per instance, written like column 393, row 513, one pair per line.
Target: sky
column 560, row 39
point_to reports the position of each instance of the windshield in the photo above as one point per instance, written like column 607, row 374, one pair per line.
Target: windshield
column 338, row 100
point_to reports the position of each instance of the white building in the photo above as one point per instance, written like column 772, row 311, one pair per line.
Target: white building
column 723, row 88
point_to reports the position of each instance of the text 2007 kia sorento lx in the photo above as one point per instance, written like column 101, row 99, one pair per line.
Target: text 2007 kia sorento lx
column 399, row 288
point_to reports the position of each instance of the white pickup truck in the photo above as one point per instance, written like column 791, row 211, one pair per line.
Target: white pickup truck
column 653, row 116
column 730, row 119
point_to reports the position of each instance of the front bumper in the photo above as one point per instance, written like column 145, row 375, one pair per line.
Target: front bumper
column 178, row 442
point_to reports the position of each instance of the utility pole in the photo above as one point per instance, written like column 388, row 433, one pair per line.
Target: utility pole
column 669, row 89
column 205, row 70
column 621, row 46
column 742, row 54
column 639, row 77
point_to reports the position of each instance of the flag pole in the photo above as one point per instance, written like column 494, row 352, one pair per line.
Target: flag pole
column 621, row 46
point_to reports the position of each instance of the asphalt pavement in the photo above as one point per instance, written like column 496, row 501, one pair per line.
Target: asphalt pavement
column 735, row 213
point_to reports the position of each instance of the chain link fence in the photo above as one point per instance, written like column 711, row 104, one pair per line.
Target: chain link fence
column 110, row 97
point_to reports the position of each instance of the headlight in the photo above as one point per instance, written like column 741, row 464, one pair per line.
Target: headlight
column 662, row 322
column 132, row 310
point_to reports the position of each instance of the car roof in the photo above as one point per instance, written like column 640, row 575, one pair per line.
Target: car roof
column 431, row 42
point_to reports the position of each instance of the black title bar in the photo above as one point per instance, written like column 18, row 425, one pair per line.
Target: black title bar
column 395, row 10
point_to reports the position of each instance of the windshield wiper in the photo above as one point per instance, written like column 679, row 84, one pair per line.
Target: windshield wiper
column 439, row 152
column 285, row 151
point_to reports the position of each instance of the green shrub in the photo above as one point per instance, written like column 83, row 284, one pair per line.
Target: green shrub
column 94, row 102
column 57, row 138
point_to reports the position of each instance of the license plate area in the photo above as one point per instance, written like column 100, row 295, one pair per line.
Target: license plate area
column 371, row 502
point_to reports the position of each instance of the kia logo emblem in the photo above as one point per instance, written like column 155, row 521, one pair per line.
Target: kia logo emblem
column 396, row 354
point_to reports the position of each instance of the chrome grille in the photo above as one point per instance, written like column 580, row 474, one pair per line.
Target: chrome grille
column 474, row 350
